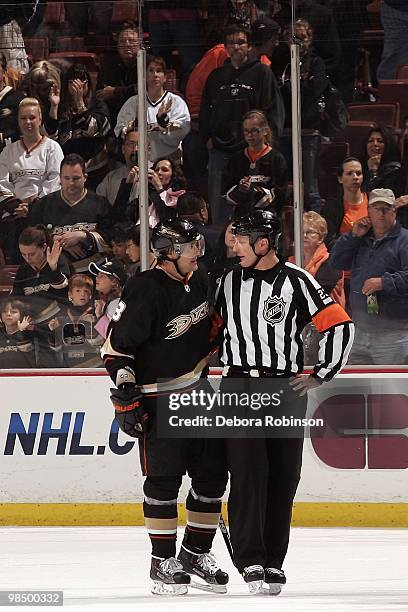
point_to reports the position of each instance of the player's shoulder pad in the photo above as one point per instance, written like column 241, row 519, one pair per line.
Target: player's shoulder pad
column 143, row 284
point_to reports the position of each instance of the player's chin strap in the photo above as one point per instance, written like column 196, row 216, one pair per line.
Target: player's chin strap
column 185, row 277
column 259, row 257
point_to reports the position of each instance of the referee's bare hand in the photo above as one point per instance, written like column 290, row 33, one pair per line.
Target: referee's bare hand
column 302, row 383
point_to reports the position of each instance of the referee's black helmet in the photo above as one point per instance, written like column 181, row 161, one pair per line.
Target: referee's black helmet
column 257, row 224
column 171, row 235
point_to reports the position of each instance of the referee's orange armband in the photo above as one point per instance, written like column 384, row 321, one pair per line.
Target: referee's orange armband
column 330, row 316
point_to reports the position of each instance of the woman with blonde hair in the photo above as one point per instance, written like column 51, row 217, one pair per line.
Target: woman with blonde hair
column 315, row 261
column 43, row 81
column 29, row 167
column 257, row 176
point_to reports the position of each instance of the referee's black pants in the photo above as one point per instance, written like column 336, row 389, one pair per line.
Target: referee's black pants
column 264, row 475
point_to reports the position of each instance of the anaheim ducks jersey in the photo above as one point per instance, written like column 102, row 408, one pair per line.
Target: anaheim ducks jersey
column 160, row 330
column 264, row 313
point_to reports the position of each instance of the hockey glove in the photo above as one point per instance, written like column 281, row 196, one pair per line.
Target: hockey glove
column 131, row 416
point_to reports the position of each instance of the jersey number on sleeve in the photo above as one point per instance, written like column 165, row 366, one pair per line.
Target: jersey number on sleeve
column 120, row 309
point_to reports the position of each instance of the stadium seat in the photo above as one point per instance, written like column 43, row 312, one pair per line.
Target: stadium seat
column 355, row 133
column 7, row 276
column 98, row 43
column 172, row 80
column 402, row 72
column 394, row 89
column 331, row 155
column 36, row 48
column 54, row 13
column 387, row 115
column 69, row 43
column 90, row 60
column 124, row 10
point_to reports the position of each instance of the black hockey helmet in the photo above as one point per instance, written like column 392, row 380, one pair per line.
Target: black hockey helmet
column 257, row 224
column 172, row 235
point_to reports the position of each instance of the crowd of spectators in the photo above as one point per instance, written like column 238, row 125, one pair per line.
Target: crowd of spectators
column 219, row 107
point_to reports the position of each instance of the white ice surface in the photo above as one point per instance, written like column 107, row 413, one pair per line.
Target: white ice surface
column 106, row 568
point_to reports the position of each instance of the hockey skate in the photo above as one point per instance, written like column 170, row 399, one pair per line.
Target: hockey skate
column 169, row 577
column 274, row 581
column 203, row 566
column 254, row 577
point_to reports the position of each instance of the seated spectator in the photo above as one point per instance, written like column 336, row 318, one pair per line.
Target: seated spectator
column 168, row 116
column 350, row 205
column 166, row 185
column 29, row 169
column 192, row 207
column 9, row 101
column 313, row 82
column 119, row 246
column 80, row 122
column 78, row 219
column 42, row 279
column 381, row 161
column 110, row 280
column 128, row 172
column 315, row 261
column 133, row 251
column 117, row 78
column 257, row 176
column 16, row 337
column 376, row 252
column 43, row 81
column 72, row 335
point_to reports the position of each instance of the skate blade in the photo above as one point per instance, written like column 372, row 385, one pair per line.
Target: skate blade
column 271, row 589
column 210, row 588
column 161, row 588
column 255, row 586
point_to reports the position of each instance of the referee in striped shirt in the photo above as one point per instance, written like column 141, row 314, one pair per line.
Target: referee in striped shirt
column 263, row 306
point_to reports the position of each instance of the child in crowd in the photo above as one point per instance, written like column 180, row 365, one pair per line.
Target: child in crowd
column 73, row 335
column 16, row 337
column 110, row 280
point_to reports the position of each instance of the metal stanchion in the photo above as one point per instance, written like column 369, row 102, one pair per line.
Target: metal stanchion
column 142, row 160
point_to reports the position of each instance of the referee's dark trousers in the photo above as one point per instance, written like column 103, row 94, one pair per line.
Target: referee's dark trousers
column 264, row 475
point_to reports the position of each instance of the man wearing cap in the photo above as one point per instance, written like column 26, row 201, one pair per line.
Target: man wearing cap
column 376, row 252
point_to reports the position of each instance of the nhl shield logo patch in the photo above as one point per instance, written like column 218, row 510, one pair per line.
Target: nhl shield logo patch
column 274, row 310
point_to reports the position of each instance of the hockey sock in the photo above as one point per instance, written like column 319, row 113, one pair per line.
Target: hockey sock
column 203, row 514
column 160, row 512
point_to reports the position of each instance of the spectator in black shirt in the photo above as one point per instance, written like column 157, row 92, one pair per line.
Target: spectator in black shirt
column 117, row 80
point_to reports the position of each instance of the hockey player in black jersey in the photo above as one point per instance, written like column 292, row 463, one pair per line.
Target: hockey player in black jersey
column 264, row 307
column 159, row 342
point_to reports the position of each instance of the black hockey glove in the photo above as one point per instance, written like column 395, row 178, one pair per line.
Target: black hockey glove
column 130, row 415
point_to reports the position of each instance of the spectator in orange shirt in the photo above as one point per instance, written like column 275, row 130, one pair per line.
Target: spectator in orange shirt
column 351, row 204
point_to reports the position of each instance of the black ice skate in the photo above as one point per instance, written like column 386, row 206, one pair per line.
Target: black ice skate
column 169, row 577
column 254, row 577
column 205, row 567
column 274, row 581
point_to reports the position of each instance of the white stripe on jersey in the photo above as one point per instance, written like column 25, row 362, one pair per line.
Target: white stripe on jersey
column 245, row 306
column 265, row 314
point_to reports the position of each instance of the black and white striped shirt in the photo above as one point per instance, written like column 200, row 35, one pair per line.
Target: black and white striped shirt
column 264, row 313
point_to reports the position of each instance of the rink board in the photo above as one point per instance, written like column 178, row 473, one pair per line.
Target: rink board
column 63, row 461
